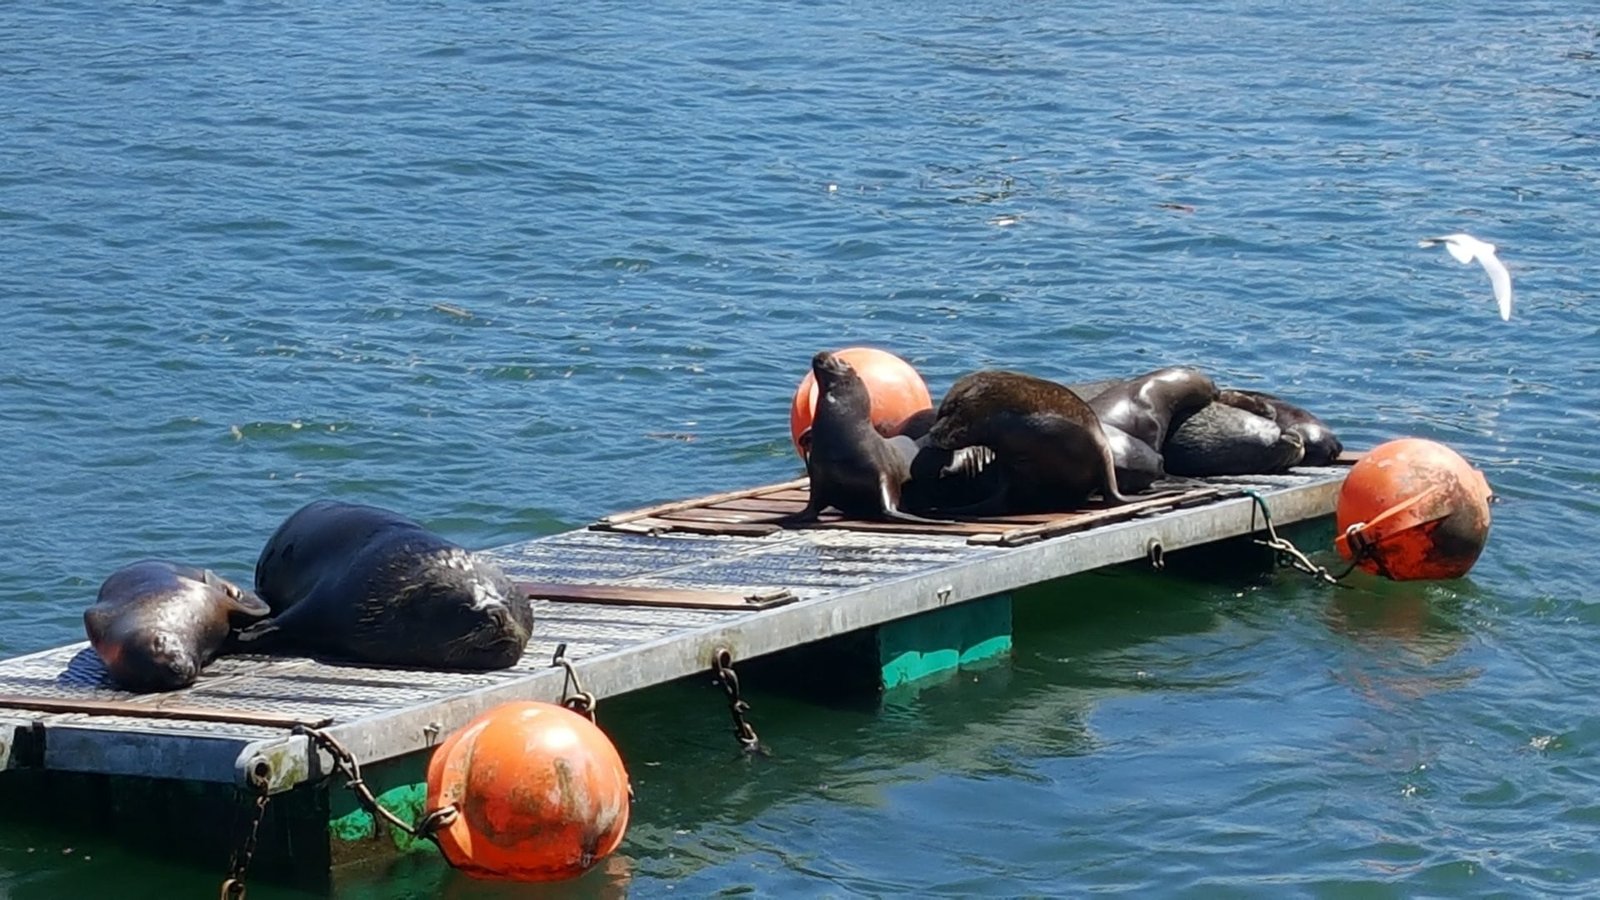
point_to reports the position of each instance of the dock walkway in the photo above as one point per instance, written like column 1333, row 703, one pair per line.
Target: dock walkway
column 638, row 599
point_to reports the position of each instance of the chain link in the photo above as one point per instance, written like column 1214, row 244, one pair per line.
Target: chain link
column 722, row 672
column 233, row 885
column 345, row 762
column 573, row 696
column 1290, row 555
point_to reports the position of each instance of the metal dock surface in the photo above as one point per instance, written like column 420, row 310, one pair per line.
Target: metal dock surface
column 805, row 585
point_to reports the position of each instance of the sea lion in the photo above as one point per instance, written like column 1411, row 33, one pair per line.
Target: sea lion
column 853, row 468
column 369, row 585
column 1322, row 445
column 157, row 623
column 1138, row 466
column 1145, row 406
column 914, row 426
column 1046, row 438
column 1219, row 439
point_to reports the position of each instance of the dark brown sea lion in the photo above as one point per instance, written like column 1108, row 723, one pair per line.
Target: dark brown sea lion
column 1046, row 438
column 853, row 468
column 914, row 426
column 368, row 585
column 1219, row 439
column 1322, row 445
column 1146, row 405
column 157, row 623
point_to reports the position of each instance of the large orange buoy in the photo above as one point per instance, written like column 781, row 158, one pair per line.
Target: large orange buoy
column 896, row 390
column 539, row 790
column 1413, row 508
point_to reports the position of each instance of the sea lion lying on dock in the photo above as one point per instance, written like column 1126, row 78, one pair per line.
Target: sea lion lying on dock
column 1219, row 439
column 1047, row 441
column 365, row 584
column 1322, row 445
column 156, row 624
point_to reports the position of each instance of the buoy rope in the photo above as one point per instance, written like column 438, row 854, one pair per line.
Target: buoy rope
column 1287, row 553
column 722, row 672
column 345, row 761
column 573, row 696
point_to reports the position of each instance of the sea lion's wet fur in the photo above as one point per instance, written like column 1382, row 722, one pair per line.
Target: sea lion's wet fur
column 852, row 467
column 365, row 584
column 1219, row 439
column 914, row 426
column 1146, row 405
column 156, row 624
column 1138, row 466
column 1322, row 445
column 1046, row 438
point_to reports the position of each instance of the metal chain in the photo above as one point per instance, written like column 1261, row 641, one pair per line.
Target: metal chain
column 722, row 672
column 239, row 863
column 573, row 696
column 1287, row 553
column 345, row 762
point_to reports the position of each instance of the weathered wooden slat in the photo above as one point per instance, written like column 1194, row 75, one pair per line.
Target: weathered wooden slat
column 663, row 526
column 138, row 710
column 764, row 503
column 962, row 528
column 1080, row 521
column 714, row 514
column 658, row 509
column 640, row 595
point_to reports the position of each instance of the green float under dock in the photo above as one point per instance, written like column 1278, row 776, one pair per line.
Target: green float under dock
column 637, row 599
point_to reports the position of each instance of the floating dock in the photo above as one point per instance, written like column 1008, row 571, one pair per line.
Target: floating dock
column 637, row 599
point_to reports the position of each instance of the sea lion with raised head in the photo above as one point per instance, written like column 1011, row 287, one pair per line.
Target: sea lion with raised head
column 1145, row 406
column 852, row 467
column 1047, row 440
column 365, row 584
column 1322, row 445
column 156, row 624
column 1219, row 439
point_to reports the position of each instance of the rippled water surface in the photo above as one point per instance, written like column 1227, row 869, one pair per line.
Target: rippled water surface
column 508, row 267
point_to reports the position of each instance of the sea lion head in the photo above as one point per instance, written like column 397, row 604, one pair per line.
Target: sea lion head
column 470, row 611
column 1322, row 447
column 830, row 369
column 161, row 662
column 838, row 385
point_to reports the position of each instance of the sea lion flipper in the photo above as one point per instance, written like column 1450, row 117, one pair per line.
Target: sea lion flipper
column 899, row 516
column 889, row 501
column 809, row 514
column 259, row 634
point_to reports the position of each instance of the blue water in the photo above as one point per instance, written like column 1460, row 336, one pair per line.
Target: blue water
column 508, row 267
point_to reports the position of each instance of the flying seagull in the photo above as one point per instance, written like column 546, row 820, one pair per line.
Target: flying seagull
column 1466, row 248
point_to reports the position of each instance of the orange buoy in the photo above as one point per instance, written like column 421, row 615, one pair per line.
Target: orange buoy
column 540, row 794
column 1413, row 508
column 896, row 390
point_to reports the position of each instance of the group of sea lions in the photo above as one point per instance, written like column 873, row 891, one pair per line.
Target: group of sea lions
column 341, row 580
column 1009, row 442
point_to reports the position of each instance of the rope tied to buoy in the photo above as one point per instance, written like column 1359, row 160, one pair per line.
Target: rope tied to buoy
column 427, row 826
column 722, row 672
column 1287, row 553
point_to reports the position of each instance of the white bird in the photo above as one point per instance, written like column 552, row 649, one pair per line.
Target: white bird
column 1466, row 248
